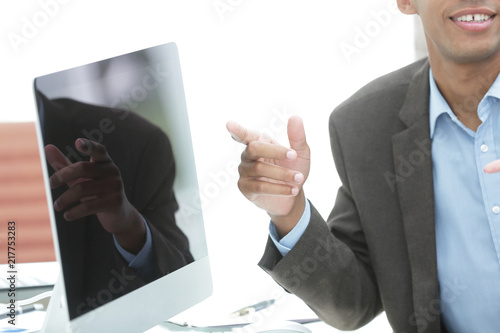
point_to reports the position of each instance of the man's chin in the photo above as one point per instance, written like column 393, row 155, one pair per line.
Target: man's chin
column 473, row 54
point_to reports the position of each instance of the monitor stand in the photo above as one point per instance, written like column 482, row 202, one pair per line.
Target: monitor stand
column 57, row 318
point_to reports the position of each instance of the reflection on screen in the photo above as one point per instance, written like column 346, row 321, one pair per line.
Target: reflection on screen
column 119, row 171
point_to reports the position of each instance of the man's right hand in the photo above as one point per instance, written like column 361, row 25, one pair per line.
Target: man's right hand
column 271, row 175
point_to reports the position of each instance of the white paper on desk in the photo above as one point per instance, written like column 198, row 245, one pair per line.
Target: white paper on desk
column 212, row 313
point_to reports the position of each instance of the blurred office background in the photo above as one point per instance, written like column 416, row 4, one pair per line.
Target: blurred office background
column 256, row 62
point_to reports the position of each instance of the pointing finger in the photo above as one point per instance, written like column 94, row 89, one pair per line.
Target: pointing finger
column 96, row 151
column 242, row 134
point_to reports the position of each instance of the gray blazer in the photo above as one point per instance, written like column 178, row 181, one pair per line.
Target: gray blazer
column 377, row 252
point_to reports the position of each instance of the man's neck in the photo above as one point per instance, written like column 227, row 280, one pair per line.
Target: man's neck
column 463, row 85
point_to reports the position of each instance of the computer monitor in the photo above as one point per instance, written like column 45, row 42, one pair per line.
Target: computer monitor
column 122, row 192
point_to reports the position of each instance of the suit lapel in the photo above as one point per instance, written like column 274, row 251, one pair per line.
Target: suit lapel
column 413, row 165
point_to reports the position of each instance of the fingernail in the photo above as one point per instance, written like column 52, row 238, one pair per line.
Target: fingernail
column 295, row 191
column 291, row 154
column 298, row 178
column 56, row 205
column 84, row 145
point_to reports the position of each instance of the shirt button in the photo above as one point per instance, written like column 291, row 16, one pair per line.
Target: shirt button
column 484, row 148
column 495, row 209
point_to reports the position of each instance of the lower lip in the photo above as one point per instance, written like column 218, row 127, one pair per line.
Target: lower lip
column 474, row 26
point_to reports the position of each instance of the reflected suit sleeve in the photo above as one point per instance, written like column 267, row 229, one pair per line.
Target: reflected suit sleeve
column 157, row 203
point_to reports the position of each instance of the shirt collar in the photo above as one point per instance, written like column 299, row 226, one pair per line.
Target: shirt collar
column 494, row 91
column 492, row 95
column 438, row 105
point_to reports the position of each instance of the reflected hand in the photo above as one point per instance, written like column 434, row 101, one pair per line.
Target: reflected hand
column 95, row 187
column 271, row 175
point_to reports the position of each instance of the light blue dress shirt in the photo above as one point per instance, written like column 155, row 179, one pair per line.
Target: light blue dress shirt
column 467, row 212
column 286, row 243
column 142, row 262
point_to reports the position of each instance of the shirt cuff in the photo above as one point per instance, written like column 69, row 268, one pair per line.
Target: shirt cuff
column 142, row 259
column 285, row 244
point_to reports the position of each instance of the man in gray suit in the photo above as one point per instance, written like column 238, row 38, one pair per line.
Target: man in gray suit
column 415, row 229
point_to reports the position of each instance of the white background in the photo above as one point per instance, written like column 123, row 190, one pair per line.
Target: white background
column 250, row 60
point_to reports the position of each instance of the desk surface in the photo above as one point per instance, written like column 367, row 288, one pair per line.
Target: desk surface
column 287, row 307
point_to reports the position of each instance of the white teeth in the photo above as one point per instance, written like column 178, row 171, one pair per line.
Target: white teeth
column 473, row 18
